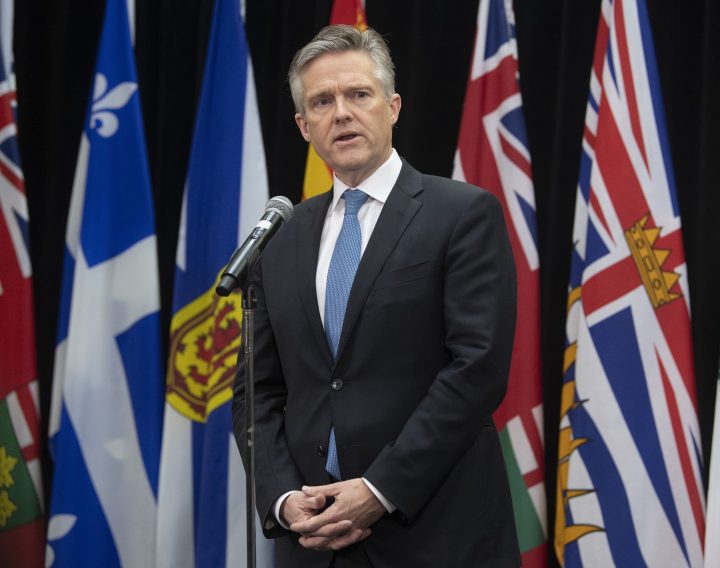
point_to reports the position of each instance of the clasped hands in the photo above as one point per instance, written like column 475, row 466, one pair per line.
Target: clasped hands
column 346, row 521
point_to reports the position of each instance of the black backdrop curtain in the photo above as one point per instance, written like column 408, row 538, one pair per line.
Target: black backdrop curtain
column 431, row 42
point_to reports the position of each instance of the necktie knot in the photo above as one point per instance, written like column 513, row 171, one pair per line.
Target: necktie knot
column 354, row 199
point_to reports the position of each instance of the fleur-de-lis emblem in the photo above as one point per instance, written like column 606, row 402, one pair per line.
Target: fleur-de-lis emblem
column 102, row 118
column 58, row 527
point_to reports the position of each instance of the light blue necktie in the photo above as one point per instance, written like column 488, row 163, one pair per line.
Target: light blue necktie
column 341, row 273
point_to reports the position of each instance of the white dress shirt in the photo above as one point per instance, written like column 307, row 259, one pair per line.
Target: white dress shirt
column 377, row 187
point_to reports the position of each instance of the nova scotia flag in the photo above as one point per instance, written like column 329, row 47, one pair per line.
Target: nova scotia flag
column 201, row 504
column 106, row 419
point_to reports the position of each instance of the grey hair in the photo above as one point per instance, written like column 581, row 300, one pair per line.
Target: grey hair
column 336, row 39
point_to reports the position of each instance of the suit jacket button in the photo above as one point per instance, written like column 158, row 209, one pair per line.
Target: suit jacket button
column 322, row 451
column 336, row 384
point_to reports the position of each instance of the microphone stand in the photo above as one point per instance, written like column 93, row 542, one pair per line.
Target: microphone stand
column 248, row 307
column 228, row 283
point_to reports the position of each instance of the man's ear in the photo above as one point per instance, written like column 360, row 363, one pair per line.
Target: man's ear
column 395, row 104
column 302, row 125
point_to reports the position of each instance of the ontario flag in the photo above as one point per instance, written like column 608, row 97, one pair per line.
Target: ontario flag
column 493, row 154
column 318, row 176
column 630, row 487
column 201, row 508
column 22, row 527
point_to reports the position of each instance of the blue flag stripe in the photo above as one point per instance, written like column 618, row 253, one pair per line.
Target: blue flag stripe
column 215, row 165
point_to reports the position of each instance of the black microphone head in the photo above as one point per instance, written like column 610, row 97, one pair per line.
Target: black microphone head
column 282, row 206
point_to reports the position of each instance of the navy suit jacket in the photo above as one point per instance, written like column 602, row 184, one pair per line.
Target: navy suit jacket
column 422, row 363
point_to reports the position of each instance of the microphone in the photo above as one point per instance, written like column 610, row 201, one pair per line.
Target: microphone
column 277, row 210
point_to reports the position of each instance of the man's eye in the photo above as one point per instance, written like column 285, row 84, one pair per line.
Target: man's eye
column 362, row 94
column 321, row 102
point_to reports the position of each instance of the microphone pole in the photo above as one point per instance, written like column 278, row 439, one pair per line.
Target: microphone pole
column 238, row 275
column 248, row 307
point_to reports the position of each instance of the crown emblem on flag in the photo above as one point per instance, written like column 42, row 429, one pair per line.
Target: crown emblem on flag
column 649, row 260
column 204, row 343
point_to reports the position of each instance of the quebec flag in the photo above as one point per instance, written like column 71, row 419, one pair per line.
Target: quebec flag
column 201, row 505
column 106, row 418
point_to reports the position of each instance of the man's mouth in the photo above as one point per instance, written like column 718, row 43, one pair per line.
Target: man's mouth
column 346, row 137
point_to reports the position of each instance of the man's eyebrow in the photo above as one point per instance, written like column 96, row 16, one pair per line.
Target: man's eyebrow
column 366, row 86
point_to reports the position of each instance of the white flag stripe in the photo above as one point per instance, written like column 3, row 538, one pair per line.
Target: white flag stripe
column 237, row 520
column 181, row 252
column 538, row 418
column 521, row 446
column 712, row 519
column 77, row 200
column 591, row 119
column 253, row 178
column 175, row 536
column 537, row 496
column 653, row 346
column 17, row 417
column 35, row 472
column 594, row 548
column 482, row 65
column 516, row 101
column 57, row 388
column 35, row 393
column 72, row 239
column 13, row 203
column 99, row 389
column 614, row 240
column 6, row 35
column 236, row 517
column 596, row 92
column 652, row 176
column 458, row 172
column 513, row 180
column 657, row 193
column 7, row 132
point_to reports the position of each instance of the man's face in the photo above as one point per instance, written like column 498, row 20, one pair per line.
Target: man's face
column 346, row 115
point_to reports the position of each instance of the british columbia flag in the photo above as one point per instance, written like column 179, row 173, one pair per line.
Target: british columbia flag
column 21, row 517
column 629, row 471
column 493, row 154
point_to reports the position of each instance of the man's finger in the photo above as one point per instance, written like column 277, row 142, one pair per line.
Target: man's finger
column 314, row 524
column 315, row 501
column 338, row 543
column 325, row 490
column 331, row 530
column 356, row 535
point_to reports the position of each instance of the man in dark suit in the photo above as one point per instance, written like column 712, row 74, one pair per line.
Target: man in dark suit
column 383, row 332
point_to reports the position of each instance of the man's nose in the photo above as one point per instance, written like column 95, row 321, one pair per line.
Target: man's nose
column 342, row 112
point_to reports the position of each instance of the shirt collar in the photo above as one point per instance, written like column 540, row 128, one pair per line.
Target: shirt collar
column 378, row 186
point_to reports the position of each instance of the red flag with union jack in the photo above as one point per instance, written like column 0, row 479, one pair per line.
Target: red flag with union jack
column 493, row 154
column 22, row 530
column 630, row 487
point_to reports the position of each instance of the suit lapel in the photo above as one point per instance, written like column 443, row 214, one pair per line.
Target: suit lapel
column 308, row 248
column 398, row 211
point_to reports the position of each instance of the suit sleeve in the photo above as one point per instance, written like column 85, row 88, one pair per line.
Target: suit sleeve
column 479, row 302
column 275, row 471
